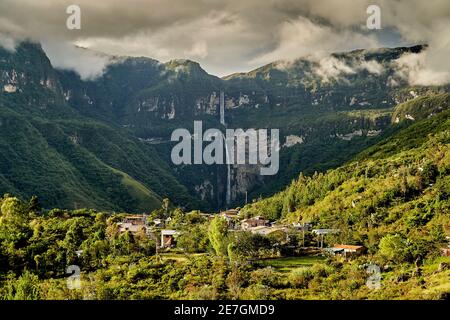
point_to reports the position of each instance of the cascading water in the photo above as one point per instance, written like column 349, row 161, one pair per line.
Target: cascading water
column 228, row 195
column 222, row 121
column 222, row 108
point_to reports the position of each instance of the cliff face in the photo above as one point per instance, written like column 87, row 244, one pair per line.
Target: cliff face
column 28, row 76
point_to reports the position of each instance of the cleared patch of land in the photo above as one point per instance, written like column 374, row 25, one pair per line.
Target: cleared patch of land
column 287, row 264
column 178, row 256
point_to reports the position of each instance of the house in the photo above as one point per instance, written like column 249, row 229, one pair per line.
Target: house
column 159, row 223
column 301, row 226
column 325, row 231
column 133, row 223
column 131, row 227
column 257, row 221
column 168, row 238
column 348, row 249
column 446, row 250
column 207, row 215
column 265, row 230
column 229, row 214
column 334, row 251
column 231, row 217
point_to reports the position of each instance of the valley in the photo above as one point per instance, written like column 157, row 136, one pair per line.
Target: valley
column 113, row 123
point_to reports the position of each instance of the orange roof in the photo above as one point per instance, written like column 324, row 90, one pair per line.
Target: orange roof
column 346, row 246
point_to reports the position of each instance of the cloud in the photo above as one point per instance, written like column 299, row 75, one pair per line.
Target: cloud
column 302, row 37
column 418, row 69
column 8, row 43
column 199, row 50
column 371, row 66
column 88, row 64
column 228, row 36
column 331, row 68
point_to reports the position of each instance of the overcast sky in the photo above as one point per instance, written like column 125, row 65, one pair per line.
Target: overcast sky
column 229, row 36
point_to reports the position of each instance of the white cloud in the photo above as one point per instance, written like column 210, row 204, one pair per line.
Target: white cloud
column 331, row 68
column 8, row 43
column 371, row 66
column 302, row 37
column 233, row 35
column 198, row 50
column 417, row 69
column 88, row 64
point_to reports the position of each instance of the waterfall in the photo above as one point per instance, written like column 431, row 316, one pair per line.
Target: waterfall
column 222, row 121
column 228, row 195
column 222, row 108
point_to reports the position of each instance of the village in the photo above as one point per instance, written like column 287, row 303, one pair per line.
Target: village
column 312, row 241
column 296, row 245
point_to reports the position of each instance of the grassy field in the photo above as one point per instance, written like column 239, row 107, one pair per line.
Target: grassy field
column 178, row 256
column 287, row 264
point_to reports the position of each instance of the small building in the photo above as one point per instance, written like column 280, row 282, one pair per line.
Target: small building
column 445, row 252
column 207, row 215
column 325, row 231
column 266, row 230
column 230, row 214
column 131, row 227
column 301, row 226
column 348, row 249
column 79, row 253
column 257, row 221
column 159, row 223
column 133, row 224
column 168, row 238
column 334, row 251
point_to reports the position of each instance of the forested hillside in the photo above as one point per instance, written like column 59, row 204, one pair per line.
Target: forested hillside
column 48, row 149
column 104, row 143
column 393, row 198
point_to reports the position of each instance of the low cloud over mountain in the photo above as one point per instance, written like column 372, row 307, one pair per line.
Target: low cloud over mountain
column 230, row 36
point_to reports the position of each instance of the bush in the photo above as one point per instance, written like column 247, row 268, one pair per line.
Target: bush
column 299, row 278
column 394, row 248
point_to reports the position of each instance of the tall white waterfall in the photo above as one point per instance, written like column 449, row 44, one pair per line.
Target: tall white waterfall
column 222, row 121
column 228, row 195
column 222, row 108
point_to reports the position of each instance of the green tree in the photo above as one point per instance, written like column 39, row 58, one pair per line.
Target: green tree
column 165, row 207
column 218, row 235
column 394, row 247
column 34, row 205
column 26, row 287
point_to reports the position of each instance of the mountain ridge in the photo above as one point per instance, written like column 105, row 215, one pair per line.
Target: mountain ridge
column 139, row 101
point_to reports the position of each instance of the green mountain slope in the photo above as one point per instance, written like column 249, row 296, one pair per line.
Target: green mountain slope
column 421, row 107
column 348, row 111
column 401, row 185
column 71, row 163
column 123, row 120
